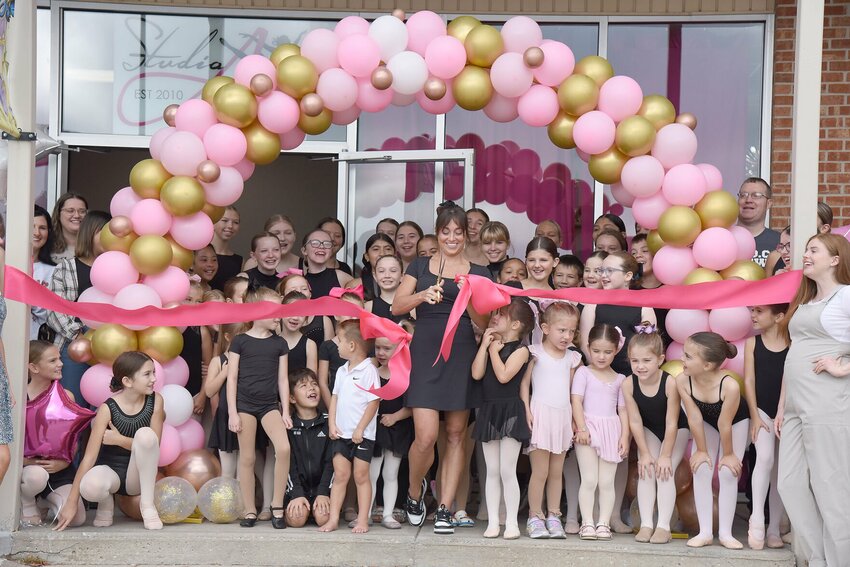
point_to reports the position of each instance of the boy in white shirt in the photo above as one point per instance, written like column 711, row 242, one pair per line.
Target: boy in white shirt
column 352, row 424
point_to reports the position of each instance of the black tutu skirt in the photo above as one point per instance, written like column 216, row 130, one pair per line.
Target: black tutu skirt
column 498, row 419
column 396, row 439
column 221, row 437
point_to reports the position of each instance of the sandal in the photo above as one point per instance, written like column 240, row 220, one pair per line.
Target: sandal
column 249, row 520
column 278, row 522
column 462, row 520
column 603, row 532
column 587, row 532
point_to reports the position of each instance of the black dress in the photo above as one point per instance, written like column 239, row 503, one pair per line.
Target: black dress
column 383, row 309
column 322, row 283
column 298, row 355
column 228, row 267
column 118, row 458
column 221, row 437
column 446, row 385
column 191, row 353
column 769, row 369
column 398, row 438
column 626, row 318
column 315, row 330
column 329, row 351
column 502, row 413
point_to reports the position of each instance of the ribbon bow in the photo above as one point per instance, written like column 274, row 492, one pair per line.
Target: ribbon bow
column 290, row 272
column 338, row 292
column 622, row 340
column 646, row 328
column 195, row 278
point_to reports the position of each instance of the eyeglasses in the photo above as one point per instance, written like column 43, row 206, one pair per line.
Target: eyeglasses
column 744, row 195
column 81, row 212
column 327, row 244
column 609, row 271
column 783, row 247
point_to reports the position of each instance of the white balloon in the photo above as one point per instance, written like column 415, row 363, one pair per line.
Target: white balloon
column 409, row 72
column 177, row 404
column 390, row 34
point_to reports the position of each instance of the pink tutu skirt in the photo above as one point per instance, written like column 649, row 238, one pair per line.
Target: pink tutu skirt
column 604, row 436
column 552, row 428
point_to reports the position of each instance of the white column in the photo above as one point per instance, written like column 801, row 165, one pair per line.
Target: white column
column 21, row 56
column 805, row 132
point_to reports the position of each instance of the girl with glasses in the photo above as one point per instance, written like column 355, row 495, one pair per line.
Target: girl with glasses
column 316, row 249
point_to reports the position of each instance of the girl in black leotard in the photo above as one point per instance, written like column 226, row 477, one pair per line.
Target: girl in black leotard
column 303, row 353
column 317, row 328
column 387, row 274
column 317, row 249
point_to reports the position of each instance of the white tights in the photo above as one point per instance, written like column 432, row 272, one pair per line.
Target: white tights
column 703, row 495
column 34, row 479
column 501, row 458
column 764, row 478
column 595, row 473
column 651, row 488
column 389, row 464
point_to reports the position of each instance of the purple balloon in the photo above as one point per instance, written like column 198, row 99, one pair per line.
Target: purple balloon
column 54, row 424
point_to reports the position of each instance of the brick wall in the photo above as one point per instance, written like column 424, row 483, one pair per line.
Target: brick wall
column 834, row 178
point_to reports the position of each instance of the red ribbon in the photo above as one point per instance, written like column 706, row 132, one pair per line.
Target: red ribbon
column 486, row 296
column 21, row 287
column 338, row 292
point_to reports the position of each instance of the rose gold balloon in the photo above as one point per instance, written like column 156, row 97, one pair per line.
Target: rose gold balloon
column 688, row 120
column 435, row 88
column 129, row 505
column 79, row 350
column 382, row 78
column 208, row 171
column 197, row 467
column 312, row 104
column 533, row 57
column 120, row 226
column 399, row 13
column 261, row 84
column 169, row 113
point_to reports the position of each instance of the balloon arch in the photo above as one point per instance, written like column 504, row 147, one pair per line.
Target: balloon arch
column 201, row 160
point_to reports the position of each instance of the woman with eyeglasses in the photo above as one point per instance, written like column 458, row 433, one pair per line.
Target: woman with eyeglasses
column 68, row 215
column 316, row 249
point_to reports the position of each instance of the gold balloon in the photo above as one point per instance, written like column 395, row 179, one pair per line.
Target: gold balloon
column 79, row 350
column 739, row 379
column 435, row 88
column 596, row 67
column 211, row 87
column 533, row 57
column 151, row 254
column 198, row 467
column 746, row 270
column 578, row 94
column 382, row 78
column 109, row 341
column 688, row 120
column 399, row 13
column 702, row 275
column 560, row 130
column 263, row 146
column 283, row 51
column 654, row 241
column 606, row 167
column 120, row 226
column 170, row 113
column 658, row 110
column 717, row 208
column 483, row 45
column 679, row 226
column 312, row 104
column 673, row 367
column 180, row 257
column 182, row 196
column 315, row 125
column 297, row 76
column 261, row 84
column 208, row 171
column 161, row 343
column 147, row 177
column 110, row 242
column 235, row 105
column 215, row 213
column 460, row 27
column 472, row 88
column 635, row 136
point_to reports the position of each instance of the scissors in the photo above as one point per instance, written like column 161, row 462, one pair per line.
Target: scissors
column 439, row 297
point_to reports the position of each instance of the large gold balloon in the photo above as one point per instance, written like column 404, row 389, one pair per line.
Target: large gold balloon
column 198, row 467
column 635, row 136
column 235, row 105
column 595, row 67
column 560, row 130
column 109, row 341
column 746, row 270
column 472, row 88
column 215, row 213
column 578, row 94
column 673, row 367
column 211, row 87
column 182, row 196
column 151, row 254
column 283, row 51
column 702, row 275
column 315, row 125
column 297, row 76
column 654, row 241
column 658, row 110
column 263, row 146
column 483, row 45
column 180, row 257
column 717, row 208
column 110, row 242
column 461, row 26
column 679, row 226
column 147, row 177
column 161, row 343
column 606, row 167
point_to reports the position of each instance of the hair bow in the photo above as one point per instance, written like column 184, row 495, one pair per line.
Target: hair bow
column 646, row 328
column 338, row 292
column 290, row 272
column 195, row 278
column 622, row 339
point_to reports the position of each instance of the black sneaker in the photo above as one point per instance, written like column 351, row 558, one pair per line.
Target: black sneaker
column 443, row 521
column 415, row 509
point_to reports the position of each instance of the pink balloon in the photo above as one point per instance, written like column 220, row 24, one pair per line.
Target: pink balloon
column 682, row 323
column 400, row 99
column 196, row 116
column 370, row 99
column 620, row 97
column 715, row 248
column 445, row 57
column 745, row 241
column 621, row 195
column 158, row 373
column 94, row 384
column 225, row 190
column 225, row 144
column 93, row 295
column 158, row 138
column 731, row 323
column 642, row 176
column 538, row 106
column 675, row 351
column 278, row 112
column 441, row 106
column 558, row 63
column 674, row 144
column 521, row 32
column 192, row 232
column 182, row 152
column 510, row 76
column 191, row 435
column 291, row 140
column 422, row 28
column 584, row 156
column 176, row 371
column 594, row 132
column 252, row 65
column 169, row 445
column 502, row 109
column 737, row 364
column 123, row 202
column 671, row 265
column 112, row 271
column 344, row 117
column 246, row 167
column 359, row 54
column 136, row 296
column 648, row 210
column 684, row 185
column 320, row 46
column 713, row 177
column 351, row 25
column 338, row 89
column 150, row 217
column 172, row 284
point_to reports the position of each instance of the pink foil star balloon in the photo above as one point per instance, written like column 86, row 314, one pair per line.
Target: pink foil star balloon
column 54, row 424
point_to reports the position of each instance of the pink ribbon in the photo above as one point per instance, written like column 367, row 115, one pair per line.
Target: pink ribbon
column 338, row 292
column 290, row 272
